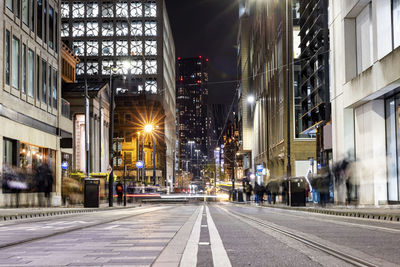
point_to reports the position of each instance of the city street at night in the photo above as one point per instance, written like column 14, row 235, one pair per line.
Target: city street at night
column 213, row 234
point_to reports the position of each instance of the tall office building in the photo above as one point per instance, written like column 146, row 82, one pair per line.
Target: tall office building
column 191, row 100
column 130, row 44
column 32, row 124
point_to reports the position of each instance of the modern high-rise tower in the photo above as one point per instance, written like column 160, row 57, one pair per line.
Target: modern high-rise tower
column 193, row 122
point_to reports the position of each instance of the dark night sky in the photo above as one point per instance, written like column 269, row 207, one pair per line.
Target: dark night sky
column 208, row 28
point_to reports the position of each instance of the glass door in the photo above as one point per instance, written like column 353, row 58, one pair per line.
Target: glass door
column 393, row 147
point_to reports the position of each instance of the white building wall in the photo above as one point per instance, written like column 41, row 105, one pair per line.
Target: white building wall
column 358, row 105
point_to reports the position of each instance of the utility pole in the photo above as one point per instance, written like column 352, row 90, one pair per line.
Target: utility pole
column 144, row 160
column 154, row 161
column 124, row 178
column 87, row 121
column 233, row 169
column 111, row 136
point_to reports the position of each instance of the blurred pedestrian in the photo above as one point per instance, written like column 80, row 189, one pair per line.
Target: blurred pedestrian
column 44, row 183
column 268, row 193
column 249, row 190
column 120, row 190
column 257, row 193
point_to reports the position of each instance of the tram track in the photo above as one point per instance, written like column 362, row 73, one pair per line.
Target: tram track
column 351, row 259
column 66, row 231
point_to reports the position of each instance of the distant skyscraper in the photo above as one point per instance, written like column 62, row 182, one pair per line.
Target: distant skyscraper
column 130, row 41
column 193, row 122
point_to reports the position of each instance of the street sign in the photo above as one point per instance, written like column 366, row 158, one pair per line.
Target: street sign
column 139, row 164
column 117, row 146
column 117, row 162
column 64, row 165
column 260, row 168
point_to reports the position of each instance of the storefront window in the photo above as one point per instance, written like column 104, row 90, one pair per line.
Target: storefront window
column 392, row 147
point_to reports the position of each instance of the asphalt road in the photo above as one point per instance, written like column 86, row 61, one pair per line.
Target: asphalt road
column 199, row 235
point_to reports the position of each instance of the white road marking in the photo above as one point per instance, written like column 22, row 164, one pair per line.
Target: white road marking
column 204, row 243
column 189, row 257
column 111, row 227
column 220, row 257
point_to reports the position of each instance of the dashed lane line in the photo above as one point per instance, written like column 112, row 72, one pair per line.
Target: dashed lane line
column 220, row 257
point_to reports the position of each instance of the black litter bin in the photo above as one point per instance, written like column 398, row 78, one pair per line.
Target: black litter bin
column 92, row 193
column 297, row 192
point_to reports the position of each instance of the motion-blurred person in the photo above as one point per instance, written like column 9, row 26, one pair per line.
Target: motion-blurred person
column 14, row 182
column 342, row 173
column 249, row 190
column 268, row 193
column 120, row 190
column 44, row 183
column 256, row 193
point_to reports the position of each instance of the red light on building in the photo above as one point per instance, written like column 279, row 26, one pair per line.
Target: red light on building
column 199, row 82
column 206, row 59
column 181, row 79
column 179, row 58
column 200, row 57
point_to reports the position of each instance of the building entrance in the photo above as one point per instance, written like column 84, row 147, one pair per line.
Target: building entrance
column 393, row 147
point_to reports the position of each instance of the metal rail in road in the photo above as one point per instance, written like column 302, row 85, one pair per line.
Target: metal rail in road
column 28, row 240
column 316, row 245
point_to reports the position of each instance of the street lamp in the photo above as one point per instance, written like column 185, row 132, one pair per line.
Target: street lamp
column 250, row 99
column 111, row 136
column 148, row 128
column 197, row 154
column 112, row 70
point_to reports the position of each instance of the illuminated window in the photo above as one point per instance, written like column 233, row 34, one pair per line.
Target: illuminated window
column 151, row 86
column 150, row 28
column 107, row 29
column 65, row 10
column 80, row 68
column 150, row 9
column 108, row 48
column 92, row 68
column 79, row 48
column 78, row 29
column 78, row 10
column 136, row 28
column 136, row 9
column 150, row 48
column 136, row 48
column 121, row 48
column 136, row 67
column 150, row 67
column 92, row 28
column 121, row 28
column 123, row 67
column 64, row 29
column 107, row 64
column 92, row 48
column 107, row 10
column 92, row 10
column 121, row 9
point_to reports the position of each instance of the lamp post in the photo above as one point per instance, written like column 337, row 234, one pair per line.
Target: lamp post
column 111, row 135
column 138, row 154
column 148, row 128
column 197, row 151
column 191, row 143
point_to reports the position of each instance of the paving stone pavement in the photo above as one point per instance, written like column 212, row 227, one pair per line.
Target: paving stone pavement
column 136, row 241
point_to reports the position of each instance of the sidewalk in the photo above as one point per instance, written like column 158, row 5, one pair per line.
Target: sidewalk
column 7, row 214
column 384, row 212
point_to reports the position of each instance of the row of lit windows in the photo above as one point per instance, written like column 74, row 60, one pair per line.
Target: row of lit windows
column 122, row 28
column 133, row 67
column 112, row 48
column 20, row 70
column 46, row 19
column 122, row 10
